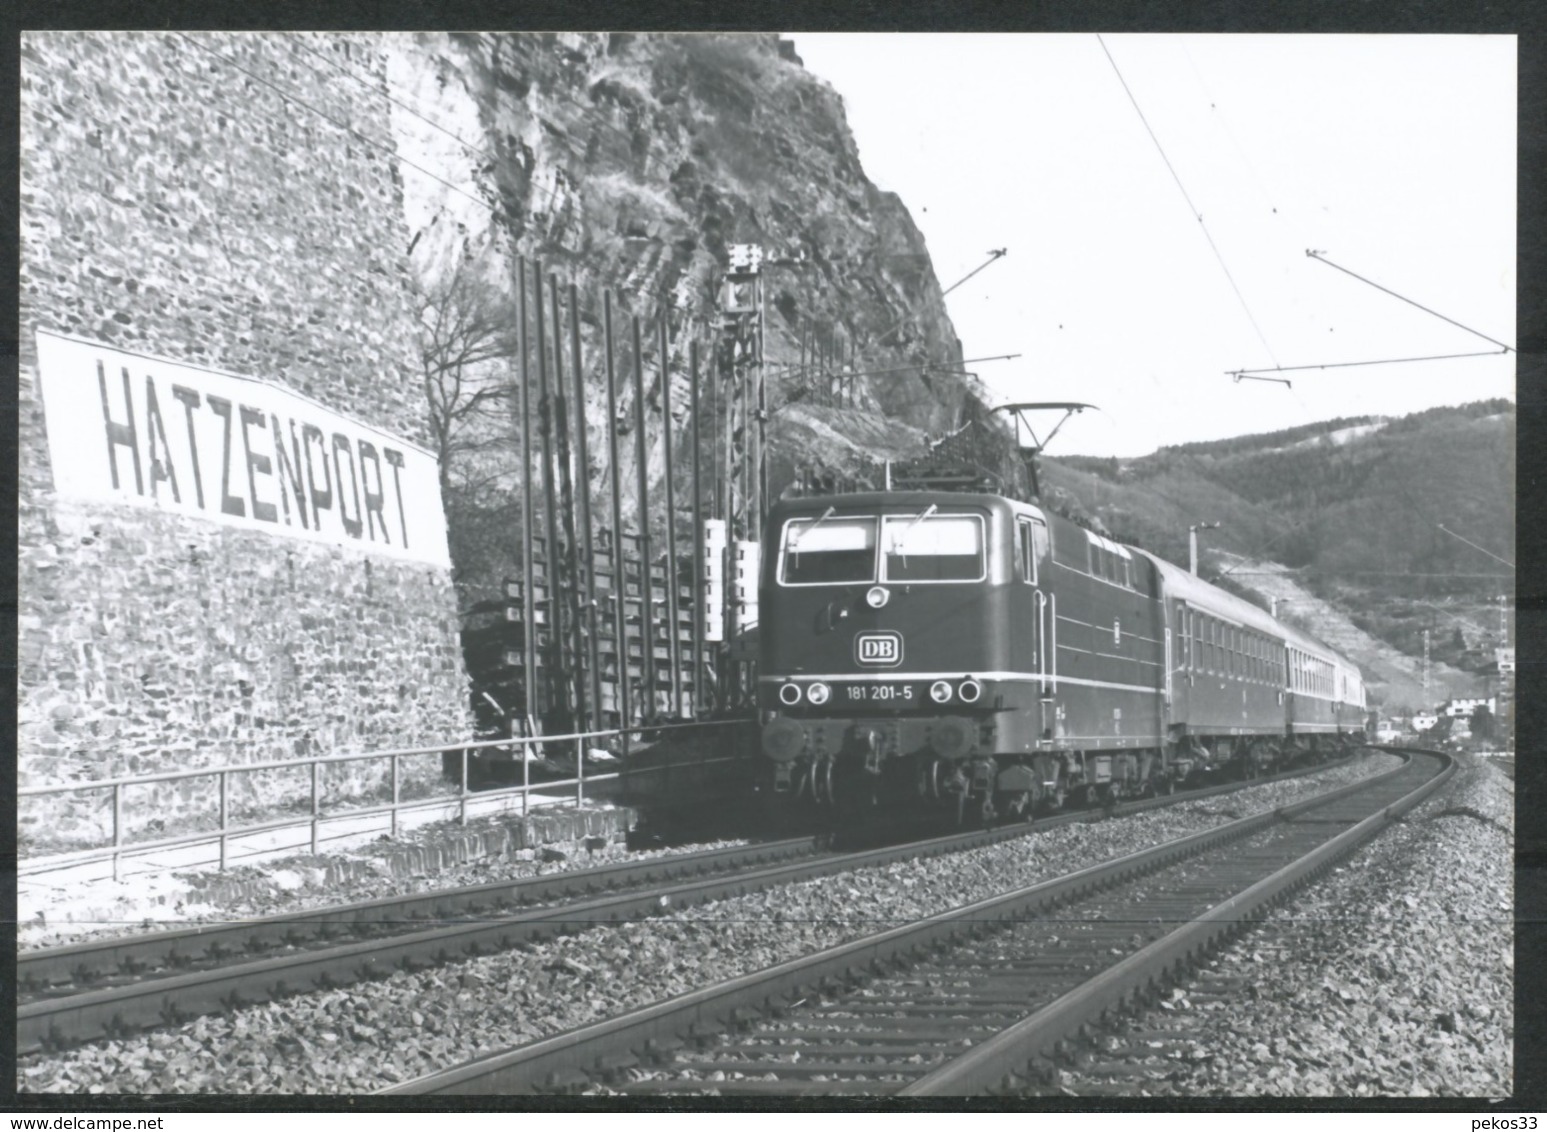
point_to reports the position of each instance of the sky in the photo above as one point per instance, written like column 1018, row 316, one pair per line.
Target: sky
column 1394, row 156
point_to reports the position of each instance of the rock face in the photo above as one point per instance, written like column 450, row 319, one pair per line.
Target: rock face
column 228, row 203
column 633, row 163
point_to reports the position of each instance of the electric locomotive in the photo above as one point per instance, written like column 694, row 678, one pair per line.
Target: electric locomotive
column 974, row 651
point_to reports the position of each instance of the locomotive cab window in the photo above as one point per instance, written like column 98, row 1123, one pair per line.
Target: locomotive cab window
column 932, row 548
column 825, row 551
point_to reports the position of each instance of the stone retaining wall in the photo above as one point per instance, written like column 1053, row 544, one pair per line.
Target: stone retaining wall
column 231, row 202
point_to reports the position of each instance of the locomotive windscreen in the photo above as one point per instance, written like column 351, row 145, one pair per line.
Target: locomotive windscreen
column 933, row 548
column 826, row 550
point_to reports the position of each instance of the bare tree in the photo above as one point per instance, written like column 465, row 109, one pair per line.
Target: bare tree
column 466, row 331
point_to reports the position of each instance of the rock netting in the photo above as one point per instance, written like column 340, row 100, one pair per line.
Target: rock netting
column 233, row 202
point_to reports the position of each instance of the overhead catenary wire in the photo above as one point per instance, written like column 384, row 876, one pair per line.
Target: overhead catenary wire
column 1219, row 116
column 289, row 96
column 372, row 142
column 1320, row 257
column 383, row 88
column 1474, row 546
column 1239, row 373
column 993, row 257
column 1193, row 208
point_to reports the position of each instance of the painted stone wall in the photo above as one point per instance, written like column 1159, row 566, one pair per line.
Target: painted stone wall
column 230, row 202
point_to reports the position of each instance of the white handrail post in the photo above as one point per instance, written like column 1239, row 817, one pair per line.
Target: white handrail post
column 118, row 824
column 395, row 798
column 225, row 818
column 316, row 804
column 579, row 772
column 462, row 802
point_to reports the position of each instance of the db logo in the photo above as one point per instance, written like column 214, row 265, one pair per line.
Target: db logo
column 878, row 650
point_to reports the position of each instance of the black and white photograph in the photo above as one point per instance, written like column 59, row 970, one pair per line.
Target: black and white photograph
column 677, row 567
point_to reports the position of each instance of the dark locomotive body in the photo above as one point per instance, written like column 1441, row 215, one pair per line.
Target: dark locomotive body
column 961, row 648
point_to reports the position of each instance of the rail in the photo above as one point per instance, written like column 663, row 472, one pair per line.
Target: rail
column 596, row 1051
column 225, row 831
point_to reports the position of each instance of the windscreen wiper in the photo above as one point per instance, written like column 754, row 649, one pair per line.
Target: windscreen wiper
column 917, row 519
column 798, row 535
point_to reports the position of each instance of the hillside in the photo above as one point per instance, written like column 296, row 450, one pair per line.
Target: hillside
column 1345, row 512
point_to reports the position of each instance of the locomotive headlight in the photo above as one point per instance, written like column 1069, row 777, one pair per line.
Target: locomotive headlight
column 789, row 695
column 877, row 596
column 969, row 690
column 818, row 692
column 940, row 692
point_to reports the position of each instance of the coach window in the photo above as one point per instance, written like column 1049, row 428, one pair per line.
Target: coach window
column 932, row 548
column 826, row 550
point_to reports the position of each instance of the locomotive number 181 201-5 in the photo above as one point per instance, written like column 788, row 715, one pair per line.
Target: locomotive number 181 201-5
column 896, row 694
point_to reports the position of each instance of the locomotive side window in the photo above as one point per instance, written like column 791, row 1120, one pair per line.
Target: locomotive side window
column 1030, row 546
column 826, row 551
column 932, row 548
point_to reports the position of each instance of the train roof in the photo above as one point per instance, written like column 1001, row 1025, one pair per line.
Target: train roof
column 1182, row 584
column 899, row 499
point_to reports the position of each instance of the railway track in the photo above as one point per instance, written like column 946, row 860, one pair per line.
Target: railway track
column 116, row 987
column 968, row 1000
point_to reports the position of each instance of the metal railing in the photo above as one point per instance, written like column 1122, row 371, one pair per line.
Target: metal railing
column 629, row 740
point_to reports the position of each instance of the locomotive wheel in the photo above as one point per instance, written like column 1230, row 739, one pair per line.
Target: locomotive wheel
column 1058, row 796
column 822, row 782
